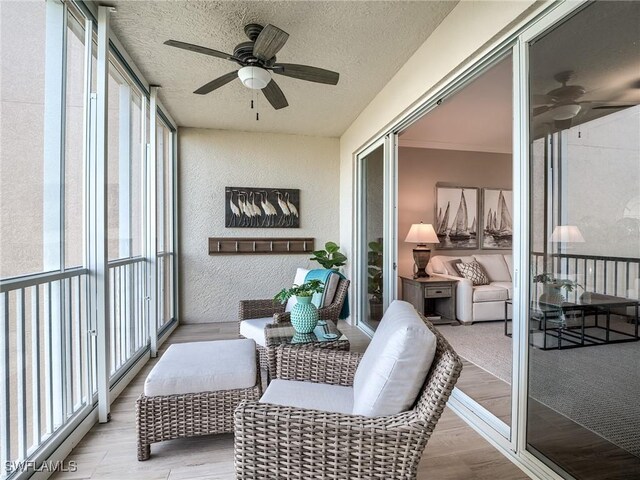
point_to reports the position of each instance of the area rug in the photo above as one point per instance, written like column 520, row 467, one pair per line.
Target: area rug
column 597, row 387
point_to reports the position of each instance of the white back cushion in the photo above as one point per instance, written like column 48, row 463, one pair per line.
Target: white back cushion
column 395, row 364
column 495, row 266
column 301, row 274
column 437, row 263
column 509, row 260
column 331, row 286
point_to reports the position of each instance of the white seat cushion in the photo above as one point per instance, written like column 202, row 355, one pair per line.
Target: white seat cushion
column 495, row 267
column 395, row 365
column 203, row 367
column 254, row 329
column 308, row 395
column 508, row 286
column 489, row 293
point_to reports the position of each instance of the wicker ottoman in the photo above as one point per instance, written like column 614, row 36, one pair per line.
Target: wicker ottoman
column 194, row 389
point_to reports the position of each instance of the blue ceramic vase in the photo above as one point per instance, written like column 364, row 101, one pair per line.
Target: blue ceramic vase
column 304, row 315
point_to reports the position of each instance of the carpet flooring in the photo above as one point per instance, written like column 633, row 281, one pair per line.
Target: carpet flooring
column 596, row 387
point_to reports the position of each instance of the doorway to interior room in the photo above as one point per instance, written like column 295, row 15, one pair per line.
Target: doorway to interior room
column 455, row 194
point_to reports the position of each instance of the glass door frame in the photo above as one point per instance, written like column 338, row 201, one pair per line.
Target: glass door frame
column 360, row 233
column 465, row 406
column 522, row 142
column 511, row 441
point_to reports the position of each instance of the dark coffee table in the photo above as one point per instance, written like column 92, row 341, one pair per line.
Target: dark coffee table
column 325, row 335
column 556, row 333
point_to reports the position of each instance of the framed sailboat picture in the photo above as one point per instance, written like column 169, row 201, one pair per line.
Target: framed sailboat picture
column 497, row 227
column 456, row 217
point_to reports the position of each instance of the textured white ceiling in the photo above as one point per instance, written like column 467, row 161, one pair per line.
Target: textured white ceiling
column 365, row 41
column 476, row 118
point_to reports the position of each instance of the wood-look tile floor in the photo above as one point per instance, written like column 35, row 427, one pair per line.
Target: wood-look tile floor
column 108, row 451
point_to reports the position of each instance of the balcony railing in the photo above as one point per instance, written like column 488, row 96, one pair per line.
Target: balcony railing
column 49, row 364
column 48, row 369
column 165, row 265
column 617, row 276
column 128, row 328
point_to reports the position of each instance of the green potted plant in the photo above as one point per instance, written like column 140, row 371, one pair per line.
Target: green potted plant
column 374, row 269
column 330, row 257
column 304, row 314
column 552, row 288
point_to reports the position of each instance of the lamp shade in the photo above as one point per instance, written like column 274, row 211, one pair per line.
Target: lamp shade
column 255, row 78
column 567, row 234
column 422, row 233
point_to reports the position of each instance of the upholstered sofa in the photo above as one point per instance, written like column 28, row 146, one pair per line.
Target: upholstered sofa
column 481, row 302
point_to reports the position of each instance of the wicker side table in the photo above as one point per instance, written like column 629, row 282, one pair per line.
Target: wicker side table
column 324, row 336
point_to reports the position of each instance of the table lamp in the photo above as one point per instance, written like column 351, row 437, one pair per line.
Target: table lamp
column 421, row 233
column 566, row 234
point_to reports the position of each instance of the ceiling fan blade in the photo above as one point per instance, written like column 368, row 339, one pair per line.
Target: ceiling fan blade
column 274, row 95
column 198, row 49
column 538, row 99
column 305, row 72
column 217, row 83
column 541, row 109
column 605, row 107
column 269, row 42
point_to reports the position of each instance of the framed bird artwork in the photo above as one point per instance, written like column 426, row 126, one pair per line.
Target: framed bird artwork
column 262, row 207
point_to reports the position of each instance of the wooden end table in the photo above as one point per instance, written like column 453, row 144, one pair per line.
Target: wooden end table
column 323, row 336
column 432, row 295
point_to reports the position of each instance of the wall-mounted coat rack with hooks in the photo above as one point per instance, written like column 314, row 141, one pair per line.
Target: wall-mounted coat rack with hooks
column 259, row 245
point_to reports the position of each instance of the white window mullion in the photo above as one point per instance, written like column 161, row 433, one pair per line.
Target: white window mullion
column 100, row 268
column 53, row 185
column 390, row 218
column 174, row 226
column 152, row 221
column 124, row 172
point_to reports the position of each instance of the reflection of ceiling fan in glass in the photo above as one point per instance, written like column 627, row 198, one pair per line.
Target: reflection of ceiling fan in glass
column 563, row 103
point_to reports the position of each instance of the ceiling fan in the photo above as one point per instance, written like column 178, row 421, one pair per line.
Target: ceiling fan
column 563, row 104
column 257, row 59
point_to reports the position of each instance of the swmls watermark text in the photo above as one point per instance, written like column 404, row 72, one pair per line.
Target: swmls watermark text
column 47, row 466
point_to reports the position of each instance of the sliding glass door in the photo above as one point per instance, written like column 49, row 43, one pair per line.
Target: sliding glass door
column 370, row 247
column 584, row 380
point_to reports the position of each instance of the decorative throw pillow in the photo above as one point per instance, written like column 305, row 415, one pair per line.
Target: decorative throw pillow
column 451, row 267
column 473, row 271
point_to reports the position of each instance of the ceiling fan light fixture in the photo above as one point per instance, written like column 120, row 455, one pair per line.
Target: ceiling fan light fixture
column 255, row 78
column 566, row 112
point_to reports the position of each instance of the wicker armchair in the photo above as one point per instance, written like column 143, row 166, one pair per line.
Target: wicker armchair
column 273, row 441
column 270, row 308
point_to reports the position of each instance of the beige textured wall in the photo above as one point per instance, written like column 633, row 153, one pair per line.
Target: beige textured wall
column 209, row 161
column 419, row 169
